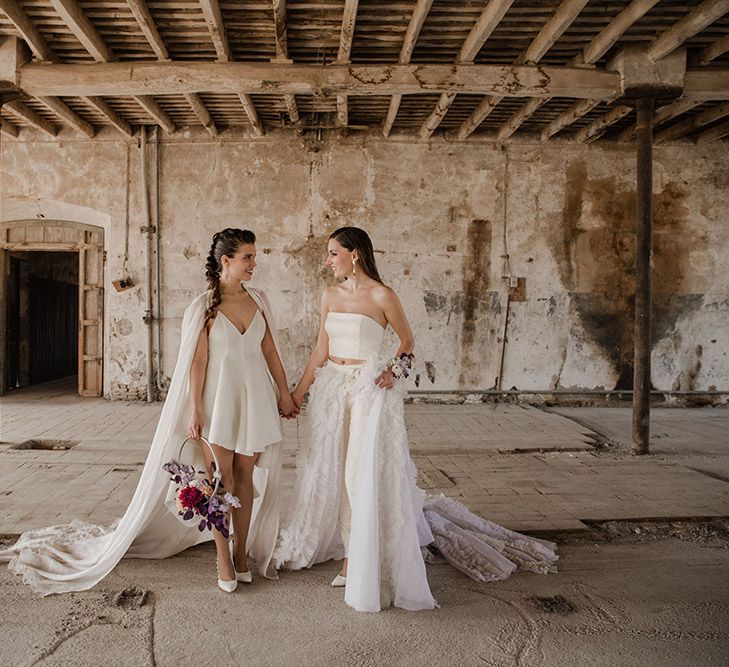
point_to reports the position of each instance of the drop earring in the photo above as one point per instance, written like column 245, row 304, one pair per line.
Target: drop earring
column 354, row 266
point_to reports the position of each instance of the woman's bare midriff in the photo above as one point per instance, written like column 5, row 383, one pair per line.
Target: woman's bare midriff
column 346, row 362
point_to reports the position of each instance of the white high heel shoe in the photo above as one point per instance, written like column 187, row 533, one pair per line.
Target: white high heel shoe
column 244, row 577
column 339, row 581
column 228, row 586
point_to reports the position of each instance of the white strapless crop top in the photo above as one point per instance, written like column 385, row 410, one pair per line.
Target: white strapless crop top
column 353, row 335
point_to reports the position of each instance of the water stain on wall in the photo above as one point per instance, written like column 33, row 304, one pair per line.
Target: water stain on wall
column 476, row 270
column 310, row 253
column 595, row 253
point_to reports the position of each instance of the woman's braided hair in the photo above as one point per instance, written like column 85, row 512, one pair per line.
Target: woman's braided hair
column 224, row 243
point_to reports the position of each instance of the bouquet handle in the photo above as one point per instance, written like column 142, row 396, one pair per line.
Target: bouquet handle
column 217, row 476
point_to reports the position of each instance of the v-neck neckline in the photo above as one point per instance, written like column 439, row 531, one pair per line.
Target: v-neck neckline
column 250, row 324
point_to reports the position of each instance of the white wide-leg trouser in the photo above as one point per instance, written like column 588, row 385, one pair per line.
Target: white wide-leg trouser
column 354, row 414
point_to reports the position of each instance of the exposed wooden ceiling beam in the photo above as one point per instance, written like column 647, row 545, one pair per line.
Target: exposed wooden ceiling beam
column 150, row 105
column 112, row 116
column 282, row 53
column 149, row 27
column 553, row 29
column 8, row 128
column 713, row 134
column 662, row 114
column 27, row 29
column 478, row 116
column 197, row 105
column 19, row 110
column 682, row 105
column 690, row 124
column 250, row 109
column 695, row 21
column 68, row 115
column 706, row 84
column 599, row 125
column 420, row 13
column 79, row 24
column 562, row 18
column 568, row 116
column 216, row 27
column 518, row 118
column 595, row 50
column 179, row 77
column 691, row 24
column 292, row 108
column 347, row 34
column 281, row 38
column 490, row 18
column 613, row 31
column 346, row 37
column 42, row 51
column 714, row 50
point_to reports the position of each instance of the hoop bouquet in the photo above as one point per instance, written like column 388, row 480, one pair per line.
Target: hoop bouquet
column 197, row 496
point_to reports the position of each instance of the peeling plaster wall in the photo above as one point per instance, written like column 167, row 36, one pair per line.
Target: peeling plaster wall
column 443, row 217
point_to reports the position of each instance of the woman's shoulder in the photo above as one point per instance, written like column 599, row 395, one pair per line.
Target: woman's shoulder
column 330, row 293
column 383, row 294
column 200, row 300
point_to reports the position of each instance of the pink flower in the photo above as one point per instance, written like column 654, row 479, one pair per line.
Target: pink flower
column 205, row 488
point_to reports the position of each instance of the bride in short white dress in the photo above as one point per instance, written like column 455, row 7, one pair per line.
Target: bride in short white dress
column 356, row 495
column 237, row 411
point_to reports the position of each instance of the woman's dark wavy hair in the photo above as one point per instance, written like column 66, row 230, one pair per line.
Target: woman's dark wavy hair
column 354, row 238
column 224, row 243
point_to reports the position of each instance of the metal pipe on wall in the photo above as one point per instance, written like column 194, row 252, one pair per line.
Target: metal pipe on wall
column 643, row 245
column 560, row 392
column 158, row 254
column 147, row 231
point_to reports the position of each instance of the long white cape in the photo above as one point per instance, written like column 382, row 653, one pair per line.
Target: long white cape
column 77, row 556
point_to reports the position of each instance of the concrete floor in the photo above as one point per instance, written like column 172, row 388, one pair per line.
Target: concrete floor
column 632, row 588
column 659, row 603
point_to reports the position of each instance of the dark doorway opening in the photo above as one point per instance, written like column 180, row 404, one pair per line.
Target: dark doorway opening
column 42, row 318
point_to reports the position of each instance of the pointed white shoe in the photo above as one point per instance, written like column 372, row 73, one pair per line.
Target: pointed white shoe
column 339, row 581
column 244, row 577
column 227, row 586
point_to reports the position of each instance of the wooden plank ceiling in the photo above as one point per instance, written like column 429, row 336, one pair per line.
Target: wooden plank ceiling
column 328, row 35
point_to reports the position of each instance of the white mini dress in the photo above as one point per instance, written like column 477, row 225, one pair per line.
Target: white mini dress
column 240, row 409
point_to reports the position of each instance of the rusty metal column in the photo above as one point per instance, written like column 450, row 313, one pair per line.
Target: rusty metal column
column 643, row 260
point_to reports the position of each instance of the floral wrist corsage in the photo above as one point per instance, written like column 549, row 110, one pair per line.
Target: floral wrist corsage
column 402, row 365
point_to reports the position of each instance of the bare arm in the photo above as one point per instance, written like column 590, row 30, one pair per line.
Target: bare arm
column 391, row 306
column 318, row 357
column 275, row 366
column 197, row 381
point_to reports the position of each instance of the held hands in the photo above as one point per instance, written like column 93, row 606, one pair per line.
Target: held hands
column 298, row 398
column 385, row 380
column 194, row 427
column 287, row 408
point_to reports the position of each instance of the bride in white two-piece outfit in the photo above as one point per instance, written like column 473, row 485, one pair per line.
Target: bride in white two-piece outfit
column 356, row 495
column 224, row 386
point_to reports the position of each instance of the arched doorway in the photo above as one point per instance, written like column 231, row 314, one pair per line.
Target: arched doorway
column 62, row 254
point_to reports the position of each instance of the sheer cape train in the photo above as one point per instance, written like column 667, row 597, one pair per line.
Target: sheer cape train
column 76, row 556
